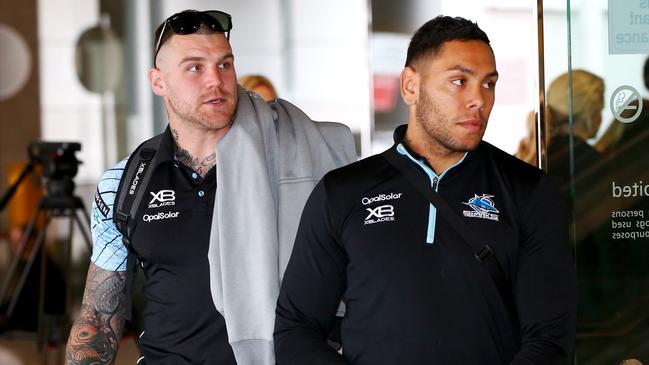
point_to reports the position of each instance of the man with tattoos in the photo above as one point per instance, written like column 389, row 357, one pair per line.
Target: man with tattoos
column 183, row 318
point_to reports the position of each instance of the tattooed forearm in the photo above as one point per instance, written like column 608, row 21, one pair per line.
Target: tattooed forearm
column 200, row 165
column 95, row 334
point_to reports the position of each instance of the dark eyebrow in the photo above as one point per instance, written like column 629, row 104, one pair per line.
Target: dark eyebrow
column 200, row 59
column 471, row 72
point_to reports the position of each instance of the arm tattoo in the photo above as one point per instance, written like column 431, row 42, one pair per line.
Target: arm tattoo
column 201, row 166
column 95, row 334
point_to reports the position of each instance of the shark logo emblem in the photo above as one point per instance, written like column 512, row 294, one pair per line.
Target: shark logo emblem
column 483, row 207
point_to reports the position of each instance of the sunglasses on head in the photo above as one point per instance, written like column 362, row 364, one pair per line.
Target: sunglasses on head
column 188, row 22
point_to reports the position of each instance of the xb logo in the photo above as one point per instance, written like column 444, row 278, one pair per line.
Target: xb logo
column 380, row 212
column 162, row 198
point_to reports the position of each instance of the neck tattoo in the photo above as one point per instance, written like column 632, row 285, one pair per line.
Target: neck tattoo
column 200, row 165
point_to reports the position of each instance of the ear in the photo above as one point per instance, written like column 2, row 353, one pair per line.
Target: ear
column 156, row 79
column 410, row 85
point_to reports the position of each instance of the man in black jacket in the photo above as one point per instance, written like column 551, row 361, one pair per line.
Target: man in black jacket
column 414, row 292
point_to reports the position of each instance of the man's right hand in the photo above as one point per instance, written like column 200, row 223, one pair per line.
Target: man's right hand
column 96, row 333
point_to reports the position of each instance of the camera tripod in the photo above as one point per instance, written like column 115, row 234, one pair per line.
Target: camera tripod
column 51, row 328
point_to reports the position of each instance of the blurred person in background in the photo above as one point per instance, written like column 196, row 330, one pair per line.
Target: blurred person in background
column 527, row 145
column 579, row 169
column 260, row 85
column 587, row 104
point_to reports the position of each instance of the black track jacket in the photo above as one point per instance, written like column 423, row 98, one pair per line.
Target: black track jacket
column 413, row 290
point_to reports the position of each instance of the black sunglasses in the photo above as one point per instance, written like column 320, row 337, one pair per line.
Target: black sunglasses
column 188, row 22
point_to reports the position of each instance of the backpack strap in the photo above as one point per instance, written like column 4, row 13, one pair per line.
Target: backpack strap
column 126, row 206
column 482, row 252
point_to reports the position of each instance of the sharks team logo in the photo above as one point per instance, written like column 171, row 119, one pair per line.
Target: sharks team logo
column 483, row 207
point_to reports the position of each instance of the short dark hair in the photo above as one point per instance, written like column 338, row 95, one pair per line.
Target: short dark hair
column 428, row 39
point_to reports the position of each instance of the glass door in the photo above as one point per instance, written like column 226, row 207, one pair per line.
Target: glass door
column 598, row 144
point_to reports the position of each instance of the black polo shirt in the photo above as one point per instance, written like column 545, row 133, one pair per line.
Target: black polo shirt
column 181, row 323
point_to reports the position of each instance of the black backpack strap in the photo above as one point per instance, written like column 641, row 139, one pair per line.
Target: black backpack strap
column 126, row 206
column 483, row 253
column 132, row 187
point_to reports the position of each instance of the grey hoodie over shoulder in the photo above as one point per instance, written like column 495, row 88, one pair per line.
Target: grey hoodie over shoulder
column 266, row 166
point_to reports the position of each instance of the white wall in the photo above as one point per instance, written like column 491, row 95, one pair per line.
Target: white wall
column 68, row 111
column 331, row 59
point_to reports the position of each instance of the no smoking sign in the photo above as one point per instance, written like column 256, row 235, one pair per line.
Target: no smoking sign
column 626, row 104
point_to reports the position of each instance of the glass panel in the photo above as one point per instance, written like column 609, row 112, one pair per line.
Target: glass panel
column 598, row 135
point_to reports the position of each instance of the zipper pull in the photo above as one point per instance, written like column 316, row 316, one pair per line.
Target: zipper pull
column 434, row 183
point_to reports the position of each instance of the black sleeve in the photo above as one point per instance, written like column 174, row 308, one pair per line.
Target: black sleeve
column 545, row 288
column 313, row 284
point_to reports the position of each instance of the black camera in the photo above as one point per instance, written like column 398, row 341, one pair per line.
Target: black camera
column 60, row 164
